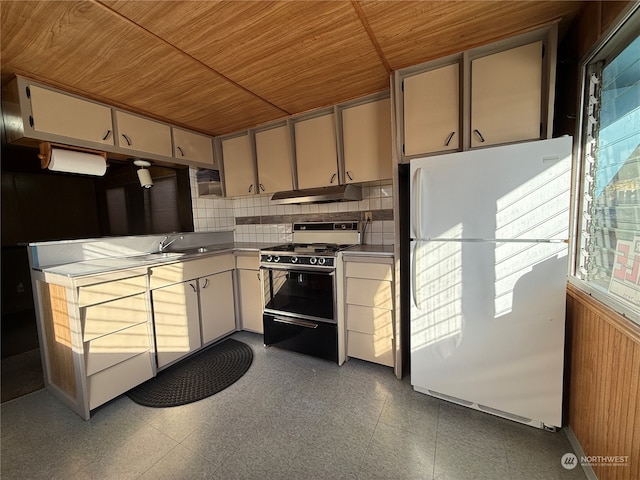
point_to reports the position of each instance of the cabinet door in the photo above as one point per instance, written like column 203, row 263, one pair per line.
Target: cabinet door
column 143, row 135
column 366, row 131
column 217, row 311
column 316, row 154
column 431, row 104
column 69, row 116
column 251, row 300
column 239, row 170
column 192, row 146
column 506, row 90
column 273, row 153
column 176, row 321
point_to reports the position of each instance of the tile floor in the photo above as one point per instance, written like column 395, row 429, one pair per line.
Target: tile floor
column 290, row 417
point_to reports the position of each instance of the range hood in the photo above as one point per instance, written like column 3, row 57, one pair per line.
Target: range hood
column 338, row 193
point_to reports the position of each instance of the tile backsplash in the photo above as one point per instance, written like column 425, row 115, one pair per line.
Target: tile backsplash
column 255, row 219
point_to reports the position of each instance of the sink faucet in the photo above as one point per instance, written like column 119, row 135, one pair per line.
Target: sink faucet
column 162, row 246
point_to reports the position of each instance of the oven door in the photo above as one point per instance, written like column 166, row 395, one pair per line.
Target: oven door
column 305, row 293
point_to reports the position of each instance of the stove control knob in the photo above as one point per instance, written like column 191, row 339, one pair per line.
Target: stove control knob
column 276, row 258
column 269, row 258
column 294, row 259
column 313, row 260
column 321, row 261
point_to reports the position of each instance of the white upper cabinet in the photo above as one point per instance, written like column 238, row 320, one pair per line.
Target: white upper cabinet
column 366, row 135
column 431, row 109
column 506, row 90
column 273, row 155
column 192, row 146
column 70, row 116
column 239, row 167
column 143, row 135
column 316, row 151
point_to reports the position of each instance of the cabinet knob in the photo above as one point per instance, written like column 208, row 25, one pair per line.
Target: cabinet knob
column 126, row 139
column 206, row 283
column 262, row 187
column 480, row 137
column 194, row 287
column 107, row 135
column 349, row 175
column 181, row 151
column 250, row 187
column 332, row 178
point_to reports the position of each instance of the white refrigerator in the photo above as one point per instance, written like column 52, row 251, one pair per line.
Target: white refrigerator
column 489, row 232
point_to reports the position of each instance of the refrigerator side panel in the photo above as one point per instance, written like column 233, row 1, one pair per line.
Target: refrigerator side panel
column 487, row 325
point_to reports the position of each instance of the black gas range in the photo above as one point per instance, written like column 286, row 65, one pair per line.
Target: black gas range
column 300, row 288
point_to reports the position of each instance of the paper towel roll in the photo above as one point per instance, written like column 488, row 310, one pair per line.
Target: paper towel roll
column 77, row 162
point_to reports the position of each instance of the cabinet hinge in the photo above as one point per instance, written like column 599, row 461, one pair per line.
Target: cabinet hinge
column 31, row 121
column 28, row 92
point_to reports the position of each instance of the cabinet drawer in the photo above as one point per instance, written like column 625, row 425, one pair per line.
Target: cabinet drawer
column 369, row 293
column 372, row 321
column 109, row 350
column 104, row 292
column 248, row 262
column 114, row 381
column 179, row 272
column 370, row 348
column 376, row 271
column 113, row 316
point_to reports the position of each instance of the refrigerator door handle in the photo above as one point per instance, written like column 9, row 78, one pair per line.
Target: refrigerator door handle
column 414, row 274
column 417, row 203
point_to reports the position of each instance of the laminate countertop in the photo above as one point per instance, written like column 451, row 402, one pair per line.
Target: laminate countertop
column 372, row 250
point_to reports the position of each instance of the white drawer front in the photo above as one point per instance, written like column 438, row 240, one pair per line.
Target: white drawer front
column 181, row 271
column 248, row 262
column 369, row 293
column 113, row 316
column 109, row 350
column 376, row 271
column 114, row 381
column 103, row 292
column 369, row 320
column 370, row 348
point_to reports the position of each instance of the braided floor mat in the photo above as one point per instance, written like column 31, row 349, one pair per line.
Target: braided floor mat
column 200, row 376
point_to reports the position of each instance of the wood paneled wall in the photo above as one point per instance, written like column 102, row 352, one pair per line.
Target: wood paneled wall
column 604, row 384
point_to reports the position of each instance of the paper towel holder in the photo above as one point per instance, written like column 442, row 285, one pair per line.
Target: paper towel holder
column 143, row 174
column 46, row 149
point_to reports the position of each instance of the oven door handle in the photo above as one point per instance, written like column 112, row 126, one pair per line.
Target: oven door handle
column 296, row 322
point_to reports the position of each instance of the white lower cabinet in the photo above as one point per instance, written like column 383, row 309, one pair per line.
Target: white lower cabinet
column 191, row 313
column 369, row 308
column 176, row 321
column 217, row 310
column 250, row 292
column 95, row 335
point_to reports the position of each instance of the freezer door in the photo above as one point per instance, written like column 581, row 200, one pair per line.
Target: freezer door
column 487, row 324
column 515, row 191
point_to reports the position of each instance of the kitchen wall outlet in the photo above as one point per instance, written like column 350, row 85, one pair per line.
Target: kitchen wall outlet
column 368, row 217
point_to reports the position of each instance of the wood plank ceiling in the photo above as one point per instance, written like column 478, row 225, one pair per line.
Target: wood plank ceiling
column 221, row 66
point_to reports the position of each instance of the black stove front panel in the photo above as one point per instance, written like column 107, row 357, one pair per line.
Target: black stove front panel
column 319, row 339
column 313, row 260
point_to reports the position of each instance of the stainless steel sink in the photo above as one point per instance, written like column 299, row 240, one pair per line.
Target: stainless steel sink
column 158, row 256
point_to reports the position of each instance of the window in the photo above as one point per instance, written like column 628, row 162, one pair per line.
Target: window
column 608, row 257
